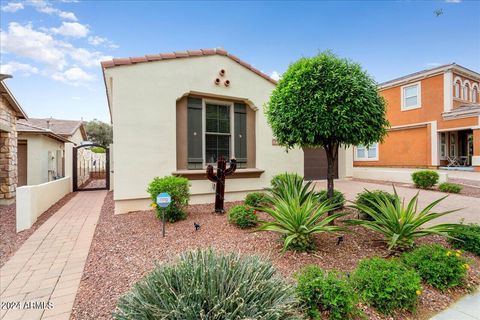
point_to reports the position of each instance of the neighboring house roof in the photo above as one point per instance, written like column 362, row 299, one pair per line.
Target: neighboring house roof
column 4, row 91
column 23, row 126
column 429, row 72
column 464, row 111
column 66, row 128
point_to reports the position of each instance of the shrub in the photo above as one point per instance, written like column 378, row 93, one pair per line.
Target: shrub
column 466, row 237
column 367, row 198
column 425, row 179
column 256, row 199
column 338, row 198
column 438, row 266
column 178, row 189
column 98, row 149
column 387, row 284
column 330, row 291
column 400, row 225
column 450, row 187
column 242, row 216
column 206, row 285
column 297, row 215
column 290, row 184
column 282, row 177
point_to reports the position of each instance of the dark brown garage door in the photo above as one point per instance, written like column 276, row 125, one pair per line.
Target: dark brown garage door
column 22, row 163
column 315, row 164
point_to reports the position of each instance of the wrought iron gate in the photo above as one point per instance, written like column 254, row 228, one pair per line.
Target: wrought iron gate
column 91, row 170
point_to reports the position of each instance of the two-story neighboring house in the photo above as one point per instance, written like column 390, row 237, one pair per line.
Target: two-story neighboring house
column 435, row 121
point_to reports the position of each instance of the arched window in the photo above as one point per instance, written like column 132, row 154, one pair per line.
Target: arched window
column 474, row 94
column 456, row 89
column 466, row 92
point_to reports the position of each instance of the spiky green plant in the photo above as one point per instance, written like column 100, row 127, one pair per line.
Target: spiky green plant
column 400, row 225
column 298, row 215
column 210, row 286
column 288, row 184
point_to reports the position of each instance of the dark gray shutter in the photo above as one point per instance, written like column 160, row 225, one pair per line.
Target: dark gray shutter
column 240, row 134
column 195, row 156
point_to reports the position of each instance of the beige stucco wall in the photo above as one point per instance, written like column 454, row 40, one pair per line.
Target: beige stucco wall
column 76, row 138
column 143, row 101
column 38, row 147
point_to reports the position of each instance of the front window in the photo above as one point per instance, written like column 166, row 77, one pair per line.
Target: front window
column 411, row 97
column 217, row 132
column 443, row 145
column 363, row 153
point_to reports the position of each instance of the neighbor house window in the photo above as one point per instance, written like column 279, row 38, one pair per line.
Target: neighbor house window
column 474, row 95
column 443, row 145
column 411, row 96
column 456, row 89
column 453, row 144
column 465, row 92
column 363, row 153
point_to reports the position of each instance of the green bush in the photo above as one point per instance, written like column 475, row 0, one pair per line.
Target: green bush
column 178, row 189
column 387, row 285
column 282, row 177
column 338, row 198
column 425, row 179
column 319, row 290
column 242, row 216
column 98, row 149
column 450, row 187
column 466, row 237
column 369, row 199
column 438, row 266
column 206, row 285
column 401, row 224
column 256, row 199
column 297, row 214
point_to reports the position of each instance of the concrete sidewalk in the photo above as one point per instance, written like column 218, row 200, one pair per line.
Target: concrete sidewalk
column 467, row 308
column 41, row 280
column 469, row 206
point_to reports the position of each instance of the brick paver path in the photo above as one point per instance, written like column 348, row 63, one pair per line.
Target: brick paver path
column 48, row 266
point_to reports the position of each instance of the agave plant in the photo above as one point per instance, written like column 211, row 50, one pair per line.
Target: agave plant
column 399, row 224
column 298, row 215
column 291, row 184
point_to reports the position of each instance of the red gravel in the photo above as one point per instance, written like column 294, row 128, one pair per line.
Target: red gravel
column 10, row 240
column 125, row 247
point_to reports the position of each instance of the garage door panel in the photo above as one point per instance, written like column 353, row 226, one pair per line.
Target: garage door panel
column 316, row 165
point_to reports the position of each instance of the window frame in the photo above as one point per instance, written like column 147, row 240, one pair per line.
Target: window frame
column 376, row 158
column 474, row 94
column 443, row 146
column 403, row 106
column 457, row 90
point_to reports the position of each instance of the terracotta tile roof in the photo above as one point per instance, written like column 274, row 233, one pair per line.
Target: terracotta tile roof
column 182, row 54
column 57, row 126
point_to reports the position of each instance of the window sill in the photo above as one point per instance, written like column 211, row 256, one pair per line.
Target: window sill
column 202, row 175
column 409, row 108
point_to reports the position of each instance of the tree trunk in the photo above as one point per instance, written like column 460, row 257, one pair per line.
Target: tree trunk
column 331, row 151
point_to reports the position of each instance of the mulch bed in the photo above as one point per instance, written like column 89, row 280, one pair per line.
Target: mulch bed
column 10, row 240
column 468, row 190
column 125, row 248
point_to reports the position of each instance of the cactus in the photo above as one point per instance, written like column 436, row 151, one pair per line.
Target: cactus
column 219, row 180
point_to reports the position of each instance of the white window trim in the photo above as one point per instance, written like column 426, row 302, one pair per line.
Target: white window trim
column 204, row 127
column 356, row 158
column 419, row 96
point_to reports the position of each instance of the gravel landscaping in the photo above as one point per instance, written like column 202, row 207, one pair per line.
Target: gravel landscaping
column 10, row 240
column 126, row 247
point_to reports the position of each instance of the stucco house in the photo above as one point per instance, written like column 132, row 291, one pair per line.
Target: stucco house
column 41, row 147
column 435, row 121
column 175, row 113
column 10, row 112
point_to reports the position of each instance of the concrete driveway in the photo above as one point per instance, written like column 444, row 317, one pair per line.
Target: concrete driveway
column 470, row 207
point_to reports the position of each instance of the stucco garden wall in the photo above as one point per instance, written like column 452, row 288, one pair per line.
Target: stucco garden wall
column 8, row 152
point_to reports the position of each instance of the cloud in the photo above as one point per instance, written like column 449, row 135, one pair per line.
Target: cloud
column 74, row 76
column 12, row 7
column 275, row 76
column 72, row 29
column 88, row 58
column 14, row 68
column 96, row 40
column 45, row 7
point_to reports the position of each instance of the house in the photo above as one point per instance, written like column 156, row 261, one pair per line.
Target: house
column 10, row 112
column 41, row 145
column 175, row 113
column 434, row 116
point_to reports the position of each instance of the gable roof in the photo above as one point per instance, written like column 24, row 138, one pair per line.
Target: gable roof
column 65, row 128
column 4, row 91
column 23, row 126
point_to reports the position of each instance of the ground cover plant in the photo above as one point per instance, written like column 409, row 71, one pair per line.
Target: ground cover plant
column 425, row 179
column 400, row 225
column 450, row 187
column 437, row 265
column 208, row 285
column 320, row 290
column 387, row 284
column 466, row 237
column 178, row 189
column 243, row 216
column 367, row 197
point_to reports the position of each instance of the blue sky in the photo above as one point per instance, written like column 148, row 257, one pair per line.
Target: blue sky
column 53, row 48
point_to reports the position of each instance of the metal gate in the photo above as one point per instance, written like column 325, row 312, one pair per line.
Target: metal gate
column 91, row 170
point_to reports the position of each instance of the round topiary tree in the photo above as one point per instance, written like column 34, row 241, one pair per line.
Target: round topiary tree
column 327, row 102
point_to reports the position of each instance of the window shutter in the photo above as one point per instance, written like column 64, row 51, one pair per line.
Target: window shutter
column 240, row 120
column 194, row 114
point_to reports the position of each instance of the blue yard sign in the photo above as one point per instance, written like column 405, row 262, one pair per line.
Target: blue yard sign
column 163, row 201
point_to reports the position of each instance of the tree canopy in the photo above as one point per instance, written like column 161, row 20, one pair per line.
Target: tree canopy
column 99, row 132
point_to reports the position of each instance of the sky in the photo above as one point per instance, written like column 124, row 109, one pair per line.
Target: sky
column 53, row 49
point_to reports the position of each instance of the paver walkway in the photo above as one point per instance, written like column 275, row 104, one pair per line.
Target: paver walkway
column 41, row 280
column 467, row 308
column 469, row 206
